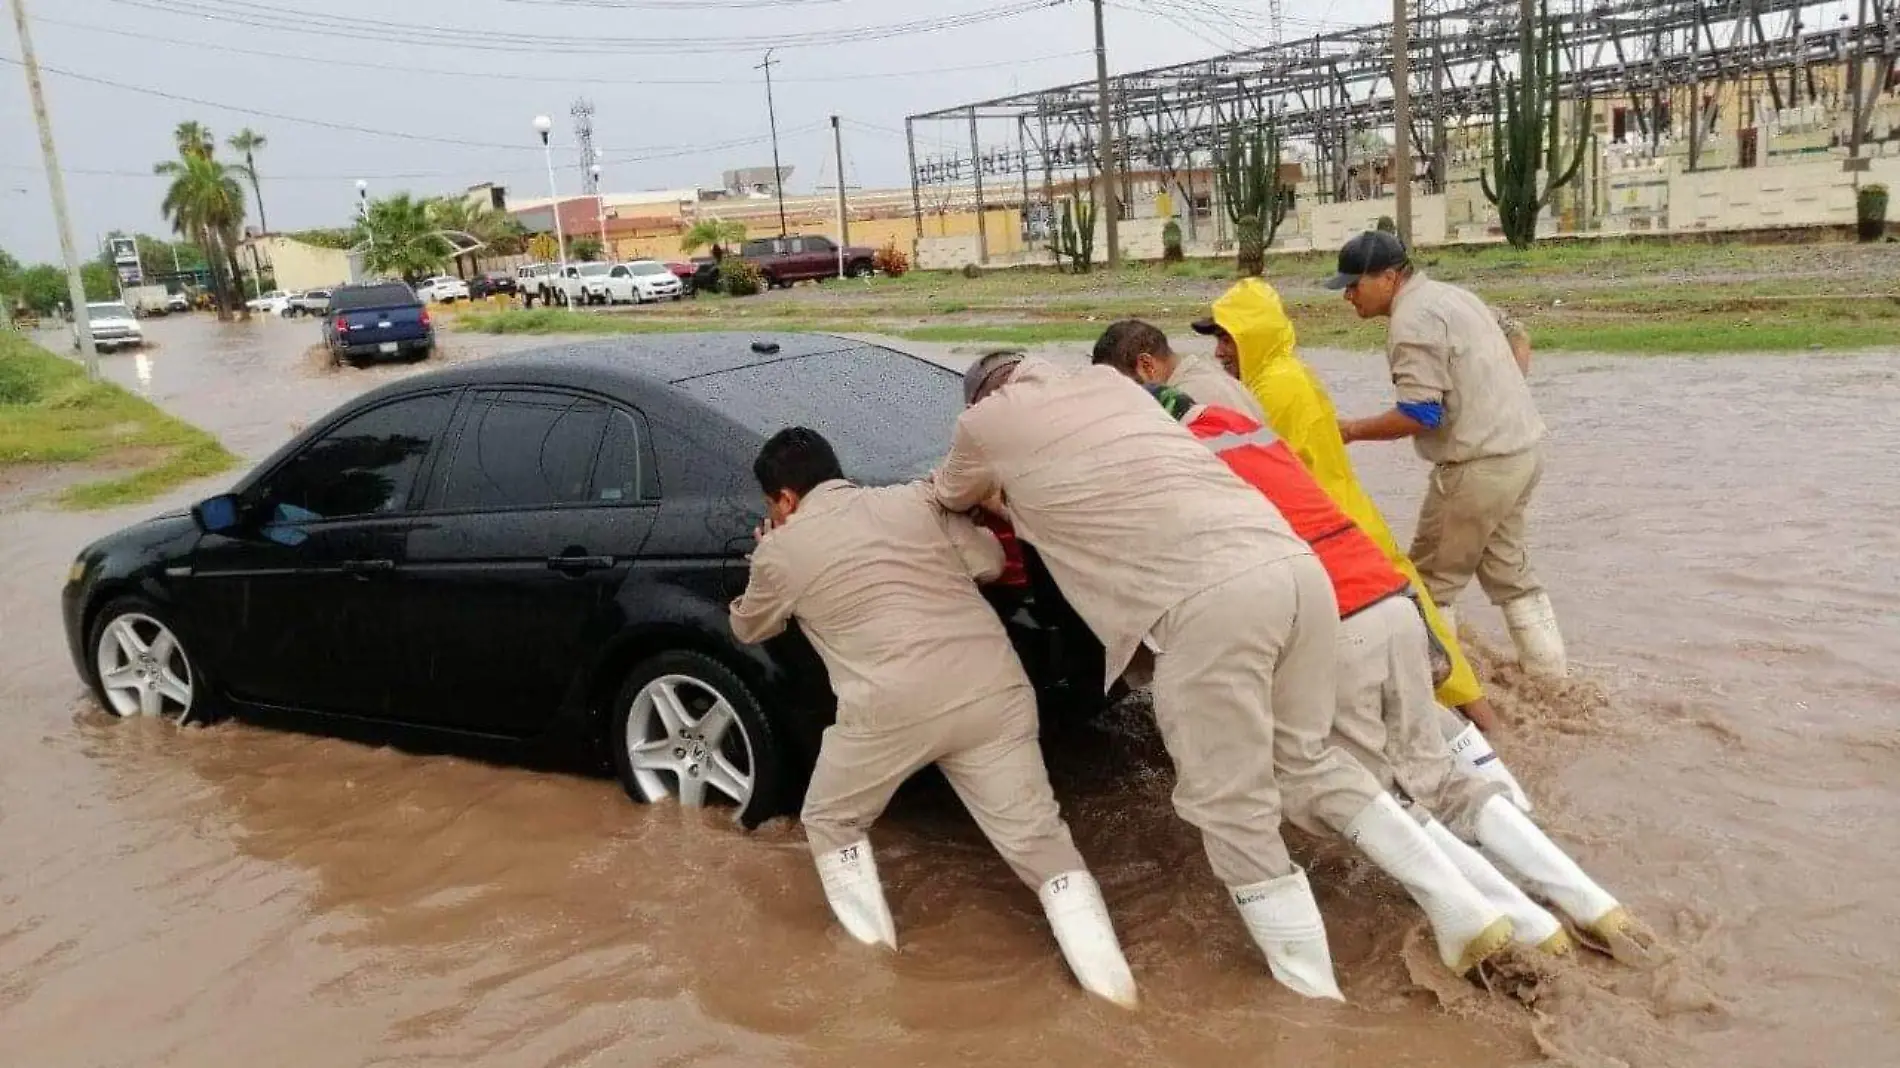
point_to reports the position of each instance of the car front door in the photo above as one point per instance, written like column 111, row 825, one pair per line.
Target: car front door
column 301, row 604
column 531, row 524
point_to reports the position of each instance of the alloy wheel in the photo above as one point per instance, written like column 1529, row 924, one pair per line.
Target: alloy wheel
column 684, row 738
column 143, row 668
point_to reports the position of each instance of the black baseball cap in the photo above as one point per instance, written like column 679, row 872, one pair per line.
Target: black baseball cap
column 1206, row 327
column 1368, row 253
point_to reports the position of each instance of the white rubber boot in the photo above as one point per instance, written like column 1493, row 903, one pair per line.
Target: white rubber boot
column 1284, row 921
column 1540, row 645
column 851, row 886
column 1074, row 905
column 1474, row 752
column 1531, row 924
column 1529, row 853
column 1469, row 929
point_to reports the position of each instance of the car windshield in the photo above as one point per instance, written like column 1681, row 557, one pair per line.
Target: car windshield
column 595, row 270
column 382, row 295
column 109, row 310
column 648, row 267
column 888, row 415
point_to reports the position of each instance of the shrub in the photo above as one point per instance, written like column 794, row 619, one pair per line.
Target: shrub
column 889, row 261
column 972, row 271
column 740, row 278
column 1171, row 243
column 1871, row 212
column 1386, row 225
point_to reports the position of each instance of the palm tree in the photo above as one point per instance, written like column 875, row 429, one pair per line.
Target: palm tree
column 248, row 141
column 715, row 232
column 193, row 139
column 498, row 232
column 403, row 239
column 205, row 204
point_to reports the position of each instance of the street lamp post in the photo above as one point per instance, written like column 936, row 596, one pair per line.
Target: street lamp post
column 362, row 216
column 600, row 214
column 543, row 124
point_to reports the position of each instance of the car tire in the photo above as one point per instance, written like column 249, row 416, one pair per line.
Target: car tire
column 421, row 354
column 126, row 630
column 747, row 752
column 858, row 270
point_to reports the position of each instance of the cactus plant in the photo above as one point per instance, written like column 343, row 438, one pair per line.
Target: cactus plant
column 1526, row 123
column 1171, row 251
column 1870, row 210
column 1249, row 176
column 1075, row 238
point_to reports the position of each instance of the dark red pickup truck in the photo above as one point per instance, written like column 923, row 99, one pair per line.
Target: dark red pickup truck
column 784, row 260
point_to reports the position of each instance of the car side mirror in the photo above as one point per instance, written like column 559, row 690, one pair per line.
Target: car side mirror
column 222, row 514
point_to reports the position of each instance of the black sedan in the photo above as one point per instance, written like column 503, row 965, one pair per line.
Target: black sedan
column 532, row 548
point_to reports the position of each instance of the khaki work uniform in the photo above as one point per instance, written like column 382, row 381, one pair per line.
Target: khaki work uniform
column 1389, row 722
column 882, row 582
column 1154, row 541
column 1204, row 379
column 1445, row 345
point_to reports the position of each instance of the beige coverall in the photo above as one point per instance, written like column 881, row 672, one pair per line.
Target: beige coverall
column 1445, row 345
column 1389, row 721
column 1153, row 539
column 882, row 582
column 1204, row 379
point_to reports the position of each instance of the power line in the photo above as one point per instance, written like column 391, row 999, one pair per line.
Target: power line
column 307, row 21
column 660, row 152
column 551, row 79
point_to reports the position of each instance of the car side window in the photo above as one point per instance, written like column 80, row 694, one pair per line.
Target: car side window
column 819, row 244
column 618, row 477
column 365, row 466
column 618, row 272
column 524, row 449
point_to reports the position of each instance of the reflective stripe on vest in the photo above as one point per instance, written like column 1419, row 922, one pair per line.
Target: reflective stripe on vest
column 1220, row 443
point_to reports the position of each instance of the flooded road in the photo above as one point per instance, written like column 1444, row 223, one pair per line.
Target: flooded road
column 1720, row 540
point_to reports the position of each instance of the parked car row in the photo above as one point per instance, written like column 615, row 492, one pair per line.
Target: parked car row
column 633, row 282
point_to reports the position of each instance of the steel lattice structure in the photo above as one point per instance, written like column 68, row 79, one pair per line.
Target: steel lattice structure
column 1322, row 91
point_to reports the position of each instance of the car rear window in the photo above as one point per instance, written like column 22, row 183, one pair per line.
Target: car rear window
column 384, row 295
column 888, row 415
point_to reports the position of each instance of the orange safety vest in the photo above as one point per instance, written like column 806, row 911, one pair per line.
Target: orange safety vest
column 1361, row 574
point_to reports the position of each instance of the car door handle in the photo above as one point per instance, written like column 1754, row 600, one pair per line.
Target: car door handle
column 577, row 564
column 366, row 568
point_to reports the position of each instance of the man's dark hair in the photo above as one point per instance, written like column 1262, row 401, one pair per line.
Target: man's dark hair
column 797, row 459
column 1124, row 342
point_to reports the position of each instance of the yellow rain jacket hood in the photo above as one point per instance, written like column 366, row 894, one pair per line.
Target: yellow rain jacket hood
column 1302, row 415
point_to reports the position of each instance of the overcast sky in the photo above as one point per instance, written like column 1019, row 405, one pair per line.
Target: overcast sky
column 476, row 72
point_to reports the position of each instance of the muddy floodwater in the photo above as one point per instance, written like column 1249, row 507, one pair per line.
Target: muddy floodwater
column 1721, row 538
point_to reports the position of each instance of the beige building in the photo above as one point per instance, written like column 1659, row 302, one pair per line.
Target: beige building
column 295, row 265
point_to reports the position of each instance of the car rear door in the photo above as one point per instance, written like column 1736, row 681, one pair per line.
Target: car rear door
column 531, row 525
column 302, row 606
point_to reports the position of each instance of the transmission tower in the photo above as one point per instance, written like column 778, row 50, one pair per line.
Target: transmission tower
column 1276, row 17
column 583, row 112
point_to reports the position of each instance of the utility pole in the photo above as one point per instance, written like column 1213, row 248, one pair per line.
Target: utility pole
column 771, row 113
column 844, row 223
column 1402, row 118
column 1106, row 184
column 55, row 181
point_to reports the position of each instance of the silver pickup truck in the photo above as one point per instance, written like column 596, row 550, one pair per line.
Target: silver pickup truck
column 309, row 302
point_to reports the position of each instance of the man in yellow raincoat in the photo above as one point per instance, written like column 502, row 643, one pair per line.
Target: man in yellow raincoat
column 1253, row 334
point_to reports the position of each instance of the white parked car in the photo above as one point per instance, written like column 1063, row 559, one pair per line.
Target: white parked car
column 274, row 302
column 585, row 283
column 441, row 290
column 641, row 281
column 177, row 302
column 113, row 326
